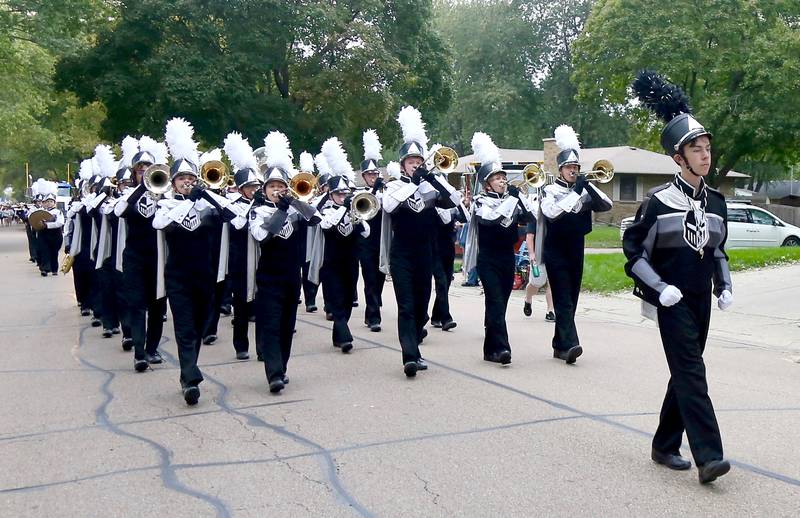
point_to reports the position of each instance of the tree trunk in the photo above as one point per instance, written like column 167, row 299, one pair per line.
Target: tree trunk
column 281, row 76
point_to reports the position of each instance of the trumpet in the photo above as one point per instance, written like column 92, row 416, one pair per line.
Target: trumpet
column 214, row 174
column 156, row 179
column 303, row 186
column 602, row 172
column 445, row 159
column 364, row 207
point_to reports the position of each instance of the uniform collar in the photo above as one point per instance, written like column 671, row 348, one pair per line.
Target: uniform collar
column 179, row 197
column 563, row 183
column 686, row 188
column 492, row 194
column 404, row 178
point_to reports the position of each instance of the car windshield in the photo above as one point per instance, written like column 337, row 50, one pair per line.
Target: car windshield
column 761, row 218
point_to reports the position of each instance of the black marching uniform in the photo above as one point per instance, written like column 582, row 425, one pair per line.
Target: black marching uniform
column 145, row 308
column 189, row 225
column 568, row 218
column 113, row 279
column 50, row 240
column 278, row 281
column 444, row 257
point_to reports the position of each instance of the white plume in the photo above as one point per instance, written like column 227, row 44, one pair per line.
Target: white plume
column 239, row 152
column 393, row 170
column 157, row 149
column 372, row 145
column 129, row 146
column 214, row 154
column 485, row 150
column 50, row 188
column 337, row 158
column 179, row 136
column 566, row 138
column 86, row 170
column 278, row 152
column 306, row 162
column 38, row 186
column 104, row 162
column 412, row 126
column 322, row 164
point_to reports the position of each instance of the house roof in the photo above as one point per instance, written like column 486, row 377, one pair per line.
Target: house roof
column 626, row 160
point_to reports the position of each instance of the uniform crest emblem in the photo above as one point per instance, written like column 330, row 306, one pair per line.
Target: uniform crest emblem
column 146, row 206
column 286, row 231
column 695, row 229
column 191, row 221
column 416, row 204
column 345, row 228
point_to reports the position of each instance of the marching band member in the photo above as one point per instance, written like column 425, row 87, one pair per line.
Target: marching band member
column 496, row 215
column 444, row 256
column 369, row 247
column 82, row 241
column 676, row 255
column 50, row 238
column 275, row 224
column 312, row 274
column 138, row 240
column 409, row 227
column 242, row 245
column 29, row 232
column 338, row 241
column 37, row 198
column 309, row 288
column 103, row 275
column 567, row 207
column 189, row 222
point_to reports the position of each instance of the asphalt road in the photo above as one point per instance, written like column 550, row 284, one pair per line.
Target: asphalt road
column 82, row 434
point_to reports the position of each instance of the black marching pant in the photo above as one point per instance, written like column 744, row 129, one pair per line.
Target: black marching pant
column 31, row 242
column 212, row 324
column 122, row 301
column 50, row 242
column 190, row 299
column 108, row 294
column 144, row 311
column 442, row 277
column 498, row 280
column 82, row 270
column 411, row 278
column 374, row 280
column 565, row 275
column 309, row 288
column 276, row 313
column 242, row 310
column 684, row 329
column 337, row 288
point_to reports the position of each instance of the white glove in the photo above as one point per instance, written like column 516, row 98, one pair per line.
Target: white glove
column 725, row 300
column 670, row 296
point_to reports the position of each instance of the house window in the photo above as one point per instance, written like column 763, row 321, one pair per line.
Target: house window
column 627, row 187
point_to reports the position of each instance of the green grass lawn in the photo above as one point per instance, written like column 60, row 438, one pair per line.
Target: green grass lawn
column 604, row 273
column 603, row 236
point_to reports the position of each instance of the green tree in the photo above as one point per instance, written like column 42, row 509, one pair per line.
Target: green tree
column 310, row 69
column 736, row 59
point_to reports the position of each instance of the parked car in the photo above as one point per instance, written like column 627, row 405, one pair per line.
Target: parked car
column 750, row 227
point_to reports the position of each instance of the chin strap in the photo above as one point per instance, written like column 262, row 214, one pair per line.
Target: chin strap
column 688, row 167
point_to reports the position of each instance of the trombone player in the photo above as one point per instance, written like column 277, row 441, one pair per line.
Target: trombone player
column 567, row 207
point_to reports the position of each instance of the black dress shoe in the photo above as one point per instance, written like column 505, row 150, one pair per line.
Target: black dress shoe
column 570, row 355
column 154, row 358
column 329, row 317
column 436, row 323
column 209, row 340
column 527, row 310
column 115, row 331
column 191, row 395
column 163, row 318
column 422, row 365
column 422, row 335
column 243, row 355
column 107, row 333
column 127, row 344
column 311, row 309
column 85, row 312
column 96, row 322
column 285, row 379
column 501, row 357
column 259, row 357
column 712, row 470
column 410, row 368
column 550, row 317
column 226, row 310
column 355, row 303
column 346, row 347
column 276, row 385
column 140, row 365
column 43, row 274
column 447, row 326
column 670, row 460
column 375, row 328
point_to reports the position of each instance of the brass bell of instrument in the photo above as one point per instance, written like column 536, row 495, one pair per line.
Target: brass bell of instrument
column 156, row 179
column 364, row 206
column 214, row 174
column 303, row 186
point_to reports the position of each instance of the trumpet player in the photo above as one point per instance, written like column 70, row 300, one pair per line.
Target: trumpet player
column 338, row 241
column 274, row 223
column 407, row 251
column 493, row 232
column 369, row 247
column 567, row 206
column 188, row 221
column 135, row 209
